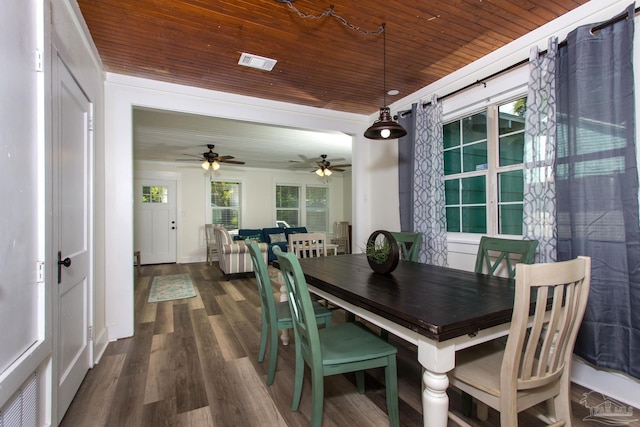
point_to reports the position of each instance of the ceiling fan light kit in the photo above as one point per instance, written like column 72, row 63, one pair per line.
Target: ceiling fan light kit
column 214, row 165
column 211, row 160
column 325, row 168
column 385, row 127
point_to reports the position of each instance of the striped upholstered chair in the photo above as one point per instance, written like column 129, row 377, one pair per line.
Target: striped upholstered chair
column 233, row 256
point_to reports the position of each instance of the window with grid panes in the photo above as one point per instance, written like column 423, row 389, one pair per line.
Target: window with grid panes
column 288, row 204
column 483, row 170
column 225, row 204
column 317, row 208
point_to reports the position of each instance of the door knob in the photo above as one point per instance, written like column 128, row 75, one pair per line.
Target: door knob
column 66, row 262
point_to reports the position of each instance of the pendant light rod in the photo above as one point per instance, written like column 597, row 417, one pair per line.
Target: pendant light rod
column 384, row 62
column 385, row 127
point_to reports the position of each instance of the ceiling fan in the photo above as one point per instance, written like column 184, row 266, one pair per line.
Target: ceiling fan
column 325, row 168
column 212, row 160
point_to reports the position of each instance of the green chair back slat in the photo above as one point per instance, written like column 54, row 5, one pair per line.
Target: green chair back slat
column 347, row 347
column 409, row 244
column 275, row 316
column 502, row 250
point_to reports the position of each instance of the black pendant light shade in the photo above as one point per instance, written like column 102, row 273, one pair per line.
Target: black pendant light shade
column 385, row 127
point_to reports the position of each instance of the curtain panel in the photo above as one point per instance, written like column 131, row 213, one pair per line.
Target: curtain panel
column 428, row 191
column 597, row 187
column 539, row 195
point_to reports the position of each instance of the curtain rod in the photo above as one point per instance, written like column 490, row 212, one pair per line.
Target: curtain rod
column 595, row 29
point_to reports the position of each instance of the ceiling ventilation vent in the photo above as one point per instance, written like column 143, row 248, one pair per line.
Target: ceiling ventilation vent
column 255, row 61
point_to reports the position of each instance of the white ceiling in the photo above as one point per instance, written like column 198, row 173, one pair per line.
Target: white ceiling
column 169, row 136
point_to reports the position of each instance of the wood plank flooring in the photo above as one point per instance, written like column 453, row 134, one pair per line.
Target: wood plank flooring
column 193, row 362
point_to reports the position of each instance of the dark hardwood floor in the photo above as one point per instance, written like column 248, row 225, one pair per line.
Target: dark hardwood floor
column 193, row 362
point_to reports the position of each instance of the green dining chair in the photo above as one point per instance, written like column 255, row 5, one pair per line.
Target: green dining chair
column 276, row 316
column 494, row 252
column 347, row 347
column 409, row 244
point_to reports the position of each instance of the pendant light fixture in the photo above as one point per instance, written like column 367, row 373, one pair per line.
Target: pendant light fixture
column 385, row 127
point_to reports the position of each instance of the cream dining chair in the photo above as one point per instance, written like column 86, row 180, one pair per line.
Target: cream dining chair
column 534, row 366
column 308, row 245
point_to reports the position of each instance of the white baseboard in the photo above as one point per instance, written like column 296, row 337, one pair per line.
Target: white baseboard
column 613, row 384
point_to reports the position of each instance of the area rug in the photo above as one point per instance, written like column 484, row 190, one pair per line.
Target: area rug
column 171, row 287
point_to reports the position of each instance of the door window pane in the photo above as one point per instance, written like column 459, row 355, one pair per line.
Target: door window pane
column 154, row 194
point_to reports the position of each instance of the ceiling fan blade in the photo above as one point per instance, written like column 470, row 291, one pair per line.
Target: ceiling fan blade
column 191, row 155
column 189, row 160
column 337, row 170
column 234, row 162
column 340, row 166
column 222, row 158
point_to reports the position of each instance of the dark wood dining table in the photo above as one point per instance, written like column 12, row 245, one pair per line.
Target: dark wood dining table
column 438, row 309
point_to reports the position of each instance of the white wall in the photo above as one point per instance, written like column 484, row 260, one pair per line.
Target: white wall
column 258, row 197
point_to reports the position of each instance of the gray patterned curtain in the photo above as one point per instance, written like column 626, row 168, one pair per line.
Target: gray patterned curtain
column 597, row 187
column 428, row 193
column 539, row 213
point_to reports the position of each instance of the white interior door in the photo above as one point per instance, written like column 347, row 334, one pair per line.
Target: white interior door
column 155, row 225
column 71, row 159
column 25, row 340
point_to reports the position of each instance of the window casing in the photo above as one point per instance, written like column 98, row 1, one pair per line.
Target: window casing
column 225, row 204
column 483, row 155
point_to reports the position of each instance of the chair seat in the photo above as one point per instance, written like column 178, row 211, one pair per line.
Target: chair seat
column 349, row 342
column 479, row 366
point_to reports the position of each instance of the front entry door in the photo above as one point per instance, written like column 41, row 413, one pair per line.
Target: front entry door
column 155, row 220
column 72, row 169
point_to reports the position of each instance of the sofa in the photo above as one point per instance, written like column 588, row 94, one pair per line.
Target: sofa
column 233, row 256
column 272, row 236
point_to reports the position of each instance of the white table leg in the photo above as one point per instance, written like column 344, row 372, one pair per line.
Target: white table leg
column 435, row 402
column 436, row 359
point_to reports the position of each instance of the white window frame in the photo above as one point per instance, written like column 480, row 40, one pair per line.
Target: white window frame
column 491, row 106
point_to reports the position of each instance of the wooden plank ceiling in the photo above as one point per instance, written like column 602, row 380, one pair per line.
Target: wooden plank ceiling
column 321, row 62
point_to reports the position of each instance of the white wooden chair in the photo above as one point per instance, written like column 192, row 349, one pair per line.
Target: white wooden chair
column 308, row 245
column 534, row 366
